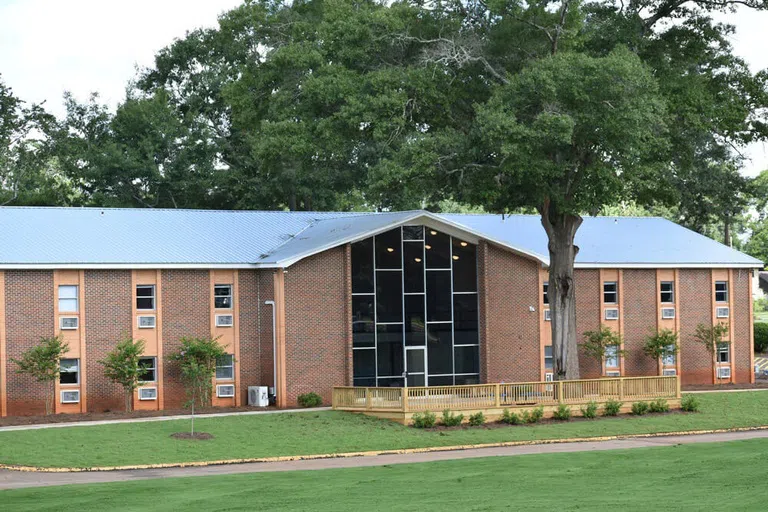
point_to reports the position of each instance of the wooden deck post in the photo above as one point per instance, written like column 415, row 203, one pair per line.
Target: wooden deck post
column 498, row 395
column 368, row 398
column 559, row 391
column 621, row 388
column 679, row 389
column 404, row 391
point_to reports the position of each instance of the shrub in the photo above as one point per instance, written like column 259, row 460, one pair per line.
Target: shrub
column 122, row 367
column 761, row 337
column 562, row 413
column 477, row 419
column 612, row 408
column 424, row 419
column 310, row 399
column 452, row 420
column 658, row 405
column 533, row 415
column 689, row 403
column 598, row 343
column 510, row 418
column 43, row 363
column 639, row 408
column 590, row 411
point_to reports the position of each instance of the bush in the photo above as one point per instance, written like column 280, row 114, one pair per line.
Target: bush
column 590, row 411
column 562, row 413
column 761, row 337
column 476, row 420
column 533, row 415
column 658, row 405
column 424, row 419
column 310, row 399
column 510, row 418
column 689, row 403
column 452, row 420
column 612, row 408
column 639, row 408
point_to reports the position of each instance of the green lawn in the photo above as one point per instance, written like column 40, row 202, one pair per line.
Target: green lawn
column 717, row 476
column 761, row 316
column 327, row 432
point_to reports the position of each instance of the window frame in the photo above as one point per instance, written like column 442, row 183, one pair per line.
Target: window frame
column 671, row 292
column 545, row 293
column 229, row 296
column 723, row 348
column 550, row 357
column 724, row 291
column 76, row 298
column 153, row 369
column 62, row 327
column 230, row 366
column 76, row 372
column 613, row 355
column 153, row 297
column 615, row 292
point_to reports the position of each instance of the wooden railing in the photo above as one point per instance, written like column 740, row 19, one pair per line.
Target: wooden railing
column 521, row 394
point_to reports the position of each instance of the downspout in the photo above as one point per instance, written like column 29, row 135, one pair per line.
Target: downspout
column 274, row 345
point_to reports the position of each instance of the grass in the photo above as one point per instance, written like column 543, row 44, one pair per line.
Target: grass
column 761, row 316
column 716, row 476
column 330, row 432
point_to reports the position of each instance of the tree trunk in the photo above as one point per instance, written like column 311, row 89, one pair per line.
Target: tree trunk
column 727, row 231
column 128, row 400
column 561, row 231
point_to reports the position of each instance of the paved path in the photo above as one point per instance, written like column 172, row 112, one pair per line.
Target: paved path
column 16, row 479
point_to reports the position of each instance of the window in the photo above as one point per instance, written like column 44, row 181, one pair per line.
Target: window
column 669, row 358
column 68, row 298
column 546, row 293
column 721, row 291
column 225, row 367
column 547, row 315
column 222, row 296
column 548, row 359
column 610, row 292
column 68, row 323
column 69, row 371
column 667, row 292
column 723, row 353
column 612, row 356
column 145, row 296
column 147, row 365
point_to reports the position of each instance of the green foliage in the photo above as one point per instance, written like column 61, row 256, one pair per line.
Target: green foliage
column 597, row 342
column 122, row 367
column 660, row 344
column 533, row 415
column 424, row 419
column 761, row 337
column 42, row 362
column 510, row 418
column 452, row 420
column 711, row 336
column 640, row 408
column 658, row 405
column 589, row 411
column 477, row 419
column 612, row 408
column 690, row 403
column 760, row 304
column 562, row 413
column 310, row 399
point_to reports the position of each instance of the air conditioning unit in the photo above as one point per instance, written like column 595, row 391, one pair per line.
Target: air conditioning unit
column 147, row 321
column 613, row 373
column 224, row 320
column 612, row 314
column 722, row 312
column 225, row 390
column 68, row 323
column 547, row 315
column 258, row 396
column 724, row 372
column 667, row 312
column 669, row 372
column 147, row 393
column 70, row 396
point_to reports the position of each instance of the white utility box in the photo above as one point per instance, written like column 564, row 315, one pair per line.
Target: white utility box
column 258, row 396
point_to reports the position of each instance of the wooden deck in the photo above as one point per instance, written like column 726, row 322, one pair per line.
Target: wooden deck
column 399, row 404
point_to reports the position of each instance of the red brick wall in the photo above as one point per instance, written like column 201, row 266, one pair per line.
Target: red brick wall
column 28, row 317
column 742, row 345
column 511, row 328
column 255, row 330
column 639, row 320
column 695, row 308
column 317, row 321
column 108, row 309
column 186, row 313
column 587, row 284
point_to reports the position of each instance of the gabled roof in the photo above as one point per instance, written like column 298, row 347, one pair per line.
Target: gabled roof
column 37, row 237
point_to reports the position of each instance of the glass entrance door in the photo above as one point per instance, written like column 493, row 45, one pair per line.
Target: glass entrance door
column 415, row 365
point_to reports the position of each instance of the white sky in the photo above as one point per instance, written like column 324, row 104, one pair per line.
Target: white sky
column 51, row 46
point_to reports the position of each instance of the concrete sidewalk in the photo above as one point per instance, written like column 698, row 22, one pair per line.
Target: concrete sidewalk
column 17, row 480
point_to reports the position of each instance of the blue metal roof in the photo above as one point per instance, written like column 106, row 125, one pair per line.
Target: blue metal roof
column 82, row 237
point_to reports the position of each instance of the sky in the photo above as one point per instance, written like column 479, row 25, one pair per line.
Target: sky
column 83, row 46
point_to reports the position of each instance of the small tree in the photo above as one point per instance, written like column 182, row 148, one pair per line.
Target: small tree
column 43, row 363
column 122, row 367
column 661, row 344
column 197, row 362
column 597, row 343
column 712, row 337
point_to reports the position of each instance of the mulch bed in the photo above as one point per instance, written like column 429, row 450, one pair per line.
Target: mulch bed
column 759, row 384
column 118, row 415
column 198, row 436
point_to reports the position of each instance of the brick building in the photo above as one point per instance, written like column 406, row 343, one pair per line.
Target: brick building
column 304, row 301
